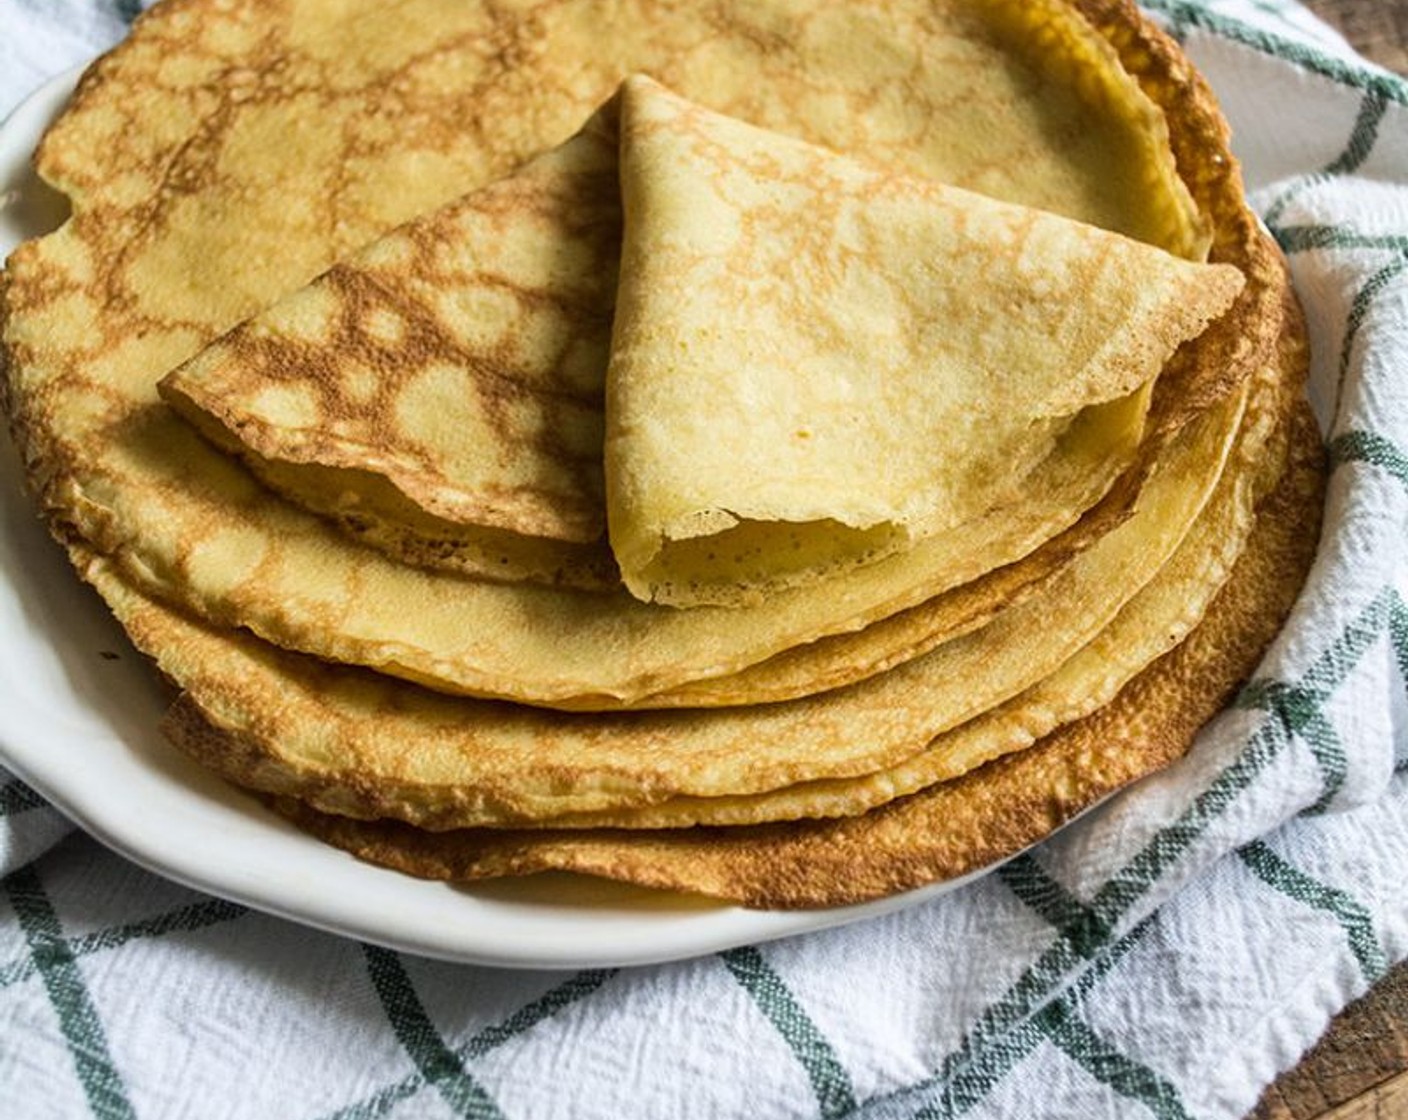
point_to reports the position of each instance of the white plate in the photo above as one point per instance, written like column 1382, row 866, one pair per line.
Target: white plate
column 79, row 710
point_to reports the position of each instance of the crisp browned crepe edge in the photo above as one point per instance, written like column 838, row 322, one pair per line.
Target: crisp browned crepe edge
column 945, row 831
column 1172, row 82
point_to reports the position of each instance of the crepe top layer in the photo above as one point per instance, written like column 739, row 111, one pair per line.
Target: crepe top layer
column 787, row 319
column 143, row 276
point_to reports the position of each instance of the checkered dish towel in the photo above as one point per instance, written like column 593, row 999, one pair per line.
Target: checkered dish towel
column 1165, row 957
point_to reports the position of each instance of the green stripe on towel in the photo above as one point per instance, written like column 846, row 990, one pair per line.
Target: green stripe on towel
column 1353, row 917
column 437, row 1063
column 79, row 1021
column 828, row 1077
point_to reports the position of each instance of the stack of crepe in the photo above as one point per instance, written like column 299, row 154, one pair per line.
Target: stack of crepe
column 819, row 468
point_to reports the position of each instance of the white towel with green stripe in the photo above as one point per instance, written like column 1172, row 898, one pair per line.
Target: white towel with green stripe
column 1166, row 956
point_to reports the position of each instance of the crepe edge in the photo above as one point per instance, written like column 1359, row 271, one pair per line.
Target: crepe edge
column 963, row 825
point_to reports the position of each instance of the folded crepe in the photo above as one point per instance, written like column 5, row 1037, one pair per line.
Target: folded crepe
column 818, row 362
column 439, row 395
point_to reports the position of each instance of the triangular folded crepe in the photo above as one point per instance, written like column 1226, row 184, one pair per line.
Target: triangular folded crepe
column 817, row 362
column 439, row 395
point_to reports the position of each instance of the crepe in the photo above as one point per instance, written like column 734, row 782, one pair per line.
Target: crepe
column 133, row 480
column 175, row 156
column 439, row 395
column 817, row 362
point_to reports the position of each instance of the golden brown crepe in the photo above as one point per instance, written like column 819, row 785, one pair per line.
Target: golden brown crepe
column 112, row 473
column 817, row 362
column 439, row 393
column 190, row 216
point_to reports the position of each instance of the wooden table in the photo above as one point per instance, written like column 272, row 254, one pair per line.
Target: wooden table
column 1359, row 1070
column 1377, row 28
